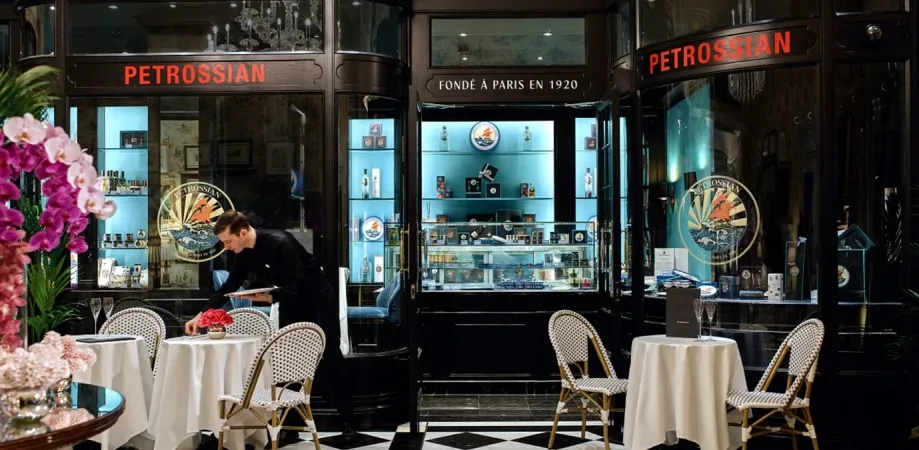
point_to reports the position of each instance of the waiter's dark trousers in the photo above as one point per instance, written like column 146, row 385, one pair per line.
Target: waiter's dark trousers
column 320, row 306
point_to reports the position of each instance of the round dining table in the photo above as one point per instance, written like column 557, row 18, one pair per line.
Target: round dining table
column 192, row 373
column 677, row 390
column 91, row 410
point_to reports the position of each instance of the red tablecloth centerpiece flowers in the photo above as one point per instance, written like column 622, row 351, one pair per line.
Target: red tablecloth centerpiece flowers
column 216, row 321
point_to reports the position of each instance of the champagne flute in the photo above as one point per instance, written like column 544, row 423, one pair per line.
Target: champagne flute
column 710, row 307
column 697, row 309
column 95, row 306
column 108, row 304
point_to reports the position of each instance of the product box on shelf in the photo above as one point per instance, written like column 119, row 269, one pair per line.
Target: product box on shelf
column 493, row 190
column 473, row 187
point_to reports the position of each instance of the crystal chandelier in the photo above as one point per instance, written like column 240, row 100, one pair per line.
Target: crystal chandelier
column 273, row 26
column 744, row 87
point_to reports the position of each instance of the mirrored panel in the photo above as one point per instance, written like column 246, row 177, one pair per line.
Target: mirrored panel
column 667, row 19
column 370, row 27
column 224, row 26
column 508, row 42
column 38, row 30
column 872, row 193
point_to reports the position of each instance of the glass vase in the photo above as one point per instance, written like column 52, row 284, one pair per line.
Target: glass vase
column 25, row 408
column 217, row 332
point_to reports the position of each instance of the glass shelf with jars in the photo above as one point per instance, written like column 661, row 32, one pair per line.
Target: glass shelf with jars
column 123, row 161
column 373, row 250
column 509, row 255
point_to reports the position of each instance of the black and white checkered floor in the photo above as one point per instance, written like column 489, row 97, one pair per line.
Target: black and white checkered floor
column 504, row 435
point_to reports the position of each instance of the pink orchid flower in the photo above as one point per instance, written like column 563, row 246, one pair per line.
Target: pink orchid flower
column 25, row 129
column 8, row 191
column 77, row 226
column 90, row 200
column 63, row 149
column 11, row 217
column 77, row 244
column 108, row 210
column 45, row 240
column 82, row 176
column 52, row 220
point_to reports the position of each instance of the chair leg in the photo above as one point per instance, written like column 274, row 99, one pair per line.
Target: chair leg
column 811, row 431
column 312, row 426
column 223, row 417
column 558, row 412
column 274, row 430
column 745, row 428
column 584, row 423
column 604, row 416
column 792, row 422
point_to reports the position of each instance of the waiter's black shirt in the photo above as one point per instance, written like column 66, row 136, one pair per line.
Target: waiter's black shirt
column 277, row 259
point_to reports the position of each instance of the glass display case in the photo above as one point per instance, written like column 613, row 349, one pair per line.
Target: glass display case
column 372, row 167
column 489, row 208
column 508, row 256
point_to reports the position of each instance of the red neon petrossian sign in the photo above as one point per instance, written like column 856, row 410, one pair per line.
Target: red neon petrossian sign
column 743, row 47
column 193, row 74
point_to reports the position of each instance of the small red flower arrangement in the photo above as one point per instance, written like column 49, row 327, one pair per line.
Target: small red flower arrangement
column 215, row 320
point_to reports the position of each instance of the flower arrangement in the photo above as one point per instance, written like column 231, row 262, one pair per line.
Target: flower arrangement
column 215, row 319
column 78, row 359
column 39, row 367
column 73, row 188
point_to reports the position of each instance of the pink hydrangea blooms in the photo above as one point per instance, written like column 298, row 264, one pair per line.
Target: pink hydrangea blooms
column 37, row 368
column 78, row 359
column 73, row 188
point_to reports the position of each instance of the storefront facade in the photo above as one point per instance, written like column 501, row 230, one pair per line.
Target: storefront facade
column 599, row 137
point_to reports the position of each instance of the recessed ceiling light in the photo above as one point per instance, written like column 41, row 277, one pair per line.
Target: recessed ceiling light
column 463, row 35
column 172, row 5
column 112, row 6
column 465, row 58
column 547, row 33
column 52, row 7
column 539, row 58
column 355, row 3
column 232, row 5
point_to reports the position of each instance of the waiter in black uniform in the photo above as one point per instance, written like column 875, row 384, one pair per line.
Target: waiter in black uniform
column 264, row 258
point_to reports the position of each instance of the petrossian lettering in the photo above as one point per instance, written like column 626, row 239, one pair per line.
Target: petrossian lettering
column 194, row 74
column 723, row 50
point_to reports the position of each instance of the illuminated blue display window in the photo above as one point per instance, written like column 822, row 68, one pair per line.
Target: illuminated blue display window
column 523, row 156
column 585, row 172
column 123, row 159
column 372, row 181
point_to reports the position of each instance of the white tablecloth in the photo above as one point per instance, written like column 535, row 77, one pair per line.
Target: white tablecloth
column 677, row 385
column 125, row 367
column 193, row 373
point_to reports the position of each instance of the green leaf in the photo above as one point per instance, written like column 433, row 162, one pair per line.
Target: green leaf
column 29, row 92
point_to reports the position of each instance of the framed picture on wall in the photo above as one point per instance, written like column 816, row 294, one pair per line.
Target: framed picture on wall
column 279, row 157
column 133, row 139
column 191, row 157
column 781, row 148
column 234, row 154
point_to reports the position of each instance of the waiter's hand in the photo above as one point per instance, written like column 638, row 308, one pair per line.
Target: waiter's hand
column 191, row 327
column 259, row 298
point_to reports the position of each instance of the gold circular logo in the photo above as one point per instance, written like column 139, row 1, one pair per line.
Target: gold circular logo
column 186, row 220
column 719, row 220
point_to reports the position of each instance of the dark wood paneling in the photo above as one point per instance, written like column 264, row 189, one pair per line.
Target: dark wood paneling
column 371, row 74
column 529, row 7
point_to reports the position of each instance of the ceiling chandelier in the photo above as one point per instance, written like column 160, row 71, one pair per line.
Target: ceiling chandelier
column 745, row 86
column 273, row 26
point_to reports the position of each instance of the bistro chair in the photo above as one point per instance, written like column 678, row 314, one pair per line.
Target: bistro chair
column 570, row 334
column 802, row 346
column 251, row 322
column 294, row 353
column 138, row 322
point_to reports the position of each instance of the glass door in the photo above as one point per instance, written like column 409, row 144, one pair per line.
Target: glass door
column 371, row 138
column 611, row 189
